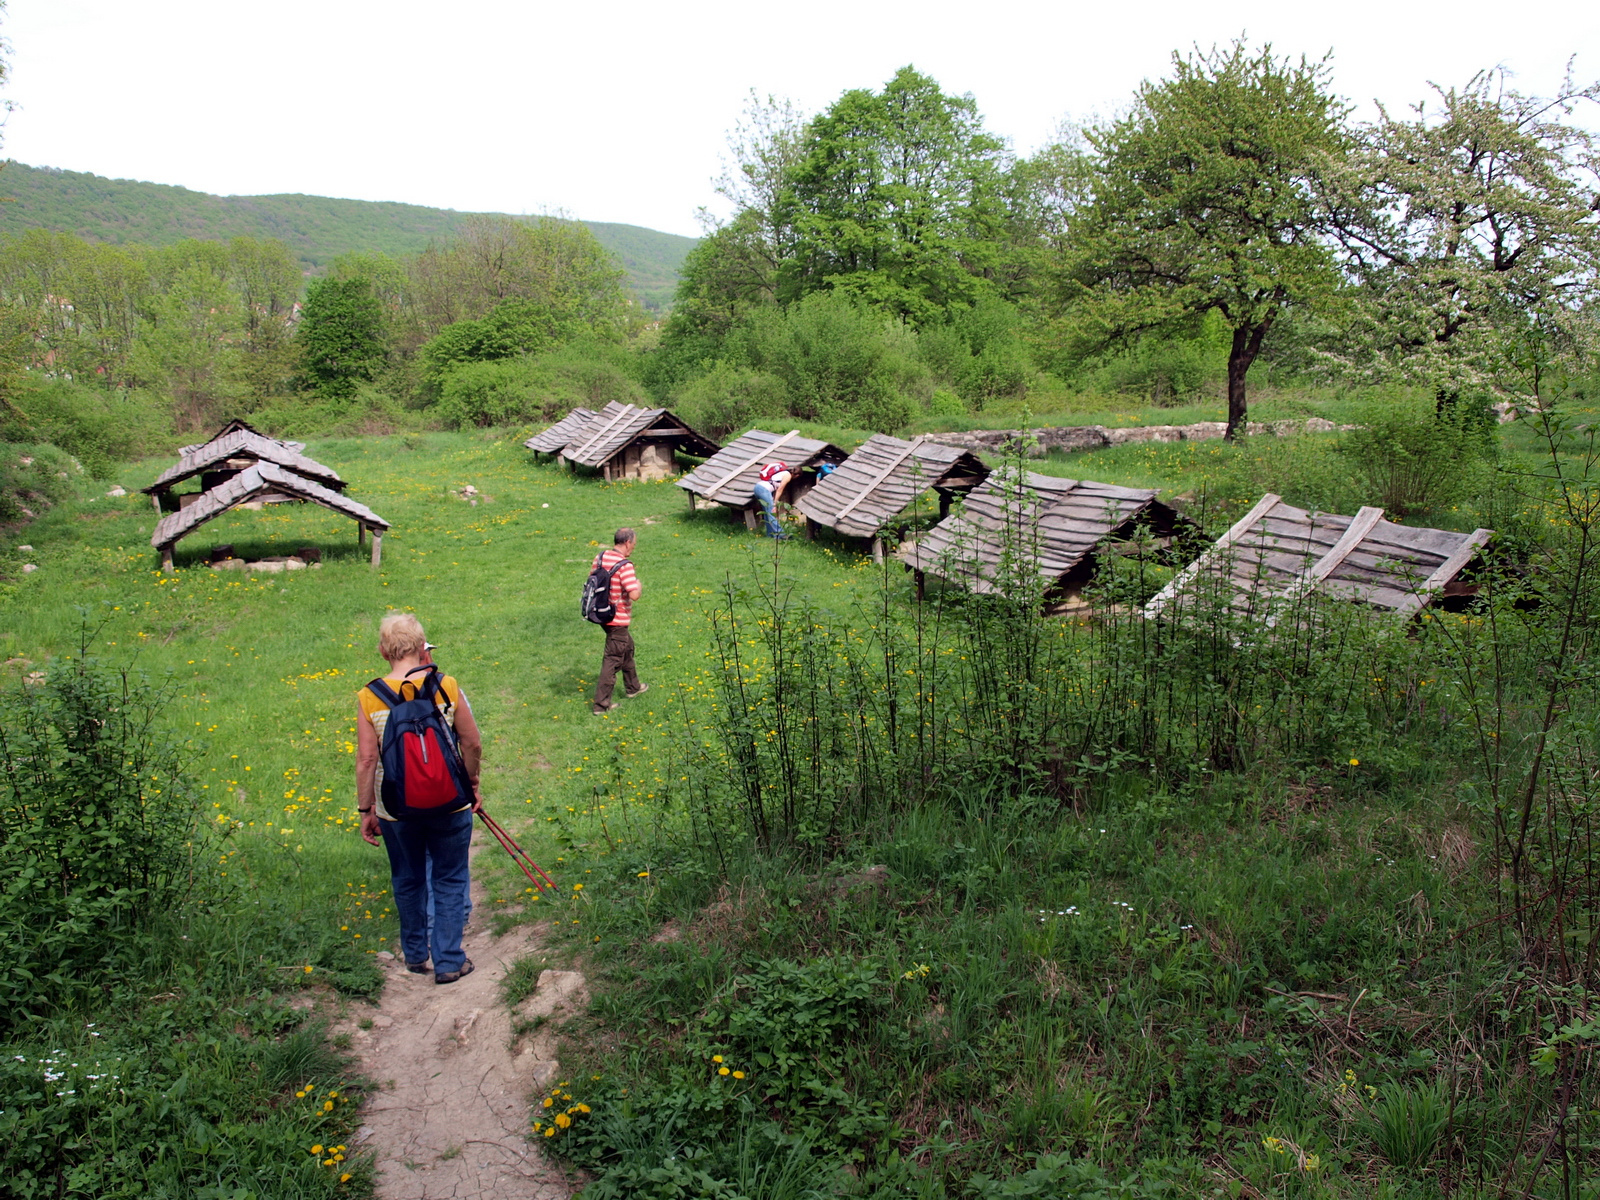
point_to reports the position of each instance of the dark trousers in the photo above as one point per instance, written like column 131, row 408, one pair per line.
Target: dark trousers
column 618, row 656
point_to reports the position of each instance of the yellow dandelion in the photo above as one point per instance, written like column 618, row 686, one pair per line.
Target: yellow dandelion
column 317, row 1149
column 716, row 1058
column 738, row 1074
column 1355, row 762
column 551, row 1132
column 722, row 1070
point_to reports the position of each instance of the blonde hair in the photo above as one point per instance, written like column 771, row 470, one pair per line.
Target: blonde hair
column 400, row 636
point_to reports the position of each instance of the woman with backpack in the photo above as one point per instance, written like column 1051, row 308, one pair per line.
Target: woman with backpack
column 418, row 753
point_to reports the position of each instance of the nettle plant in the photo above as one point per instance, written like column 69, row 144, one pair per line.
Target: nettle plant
column 99, row 830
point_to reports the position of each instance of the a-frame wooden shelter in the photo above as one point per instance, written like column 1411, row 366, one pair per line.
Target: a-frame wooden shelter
column 729, row 476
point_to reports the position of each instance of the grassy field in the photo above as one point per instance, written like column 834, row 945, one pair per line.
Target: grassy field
column 1162, row 979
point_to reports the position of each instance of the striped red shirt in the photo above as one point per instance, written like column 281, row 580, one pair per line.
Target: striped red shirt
column 624, row 585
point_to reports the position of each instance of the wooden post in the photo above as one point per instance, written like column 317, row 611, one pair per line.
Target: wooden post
column 692, row 499
column 166, row 558
column 811, row 530
column 377, row 548
column 749, row 517
column 877, row 550
column 361, row 536
column 944, row 505
column 921, row 579
column 155, row 499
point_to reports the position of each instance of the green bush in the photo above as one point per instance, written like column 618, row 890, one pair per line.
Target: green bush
column 842, row 363
column 728, row 398
column 101, row 427
column 99, row 831
column 1411, row 459
column 537, row 387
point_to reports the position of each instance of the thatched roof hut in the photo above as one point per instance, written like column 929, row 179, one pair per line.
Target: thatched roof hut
column 255, row 483
column 1276, row 553
column 884, row 476
column 729, row 476
column 1057, row 525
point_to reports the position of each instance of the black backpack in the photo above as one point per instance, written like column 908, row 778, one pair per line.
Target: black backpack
column 596, row 604
column 423, row 774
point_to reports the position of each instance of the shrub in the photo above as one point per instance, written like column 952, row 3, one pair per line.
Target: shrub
column 841, row 362
column 1412, row 459
column 729, row 398
column 99, row 426
column 99, row 830
column 537, row 387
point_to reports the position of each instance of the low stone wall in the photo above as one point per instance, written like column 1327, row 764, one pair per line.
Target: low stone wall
column 1098, row 437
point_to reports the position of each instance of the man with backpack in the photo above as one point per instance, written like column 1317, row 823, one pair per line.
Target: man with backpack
column 608, row 598
column 418, row 754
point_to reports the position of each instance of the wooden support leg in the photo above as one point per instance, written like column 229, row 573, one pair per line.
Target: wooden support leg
column 692, row 499
column 750, row 518
column 877, row 549
column 361, row 536
column 921, row 579
column 377, row 548
column 944, row 505
column 156, row 500
column 166, row 559
column 811, row 530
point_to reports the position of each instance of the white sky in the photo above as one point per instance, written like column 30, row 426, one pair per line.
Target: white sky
column 618, row 111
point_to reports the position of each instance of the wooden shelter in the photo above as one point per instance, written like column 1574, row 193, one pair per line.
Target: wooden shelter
column 1276, row 553
column 624, row 441
column 226, row 455
column 555, row 439
column 881, row 478
column 254, row 483
column 1062, row 525
column 729, row 476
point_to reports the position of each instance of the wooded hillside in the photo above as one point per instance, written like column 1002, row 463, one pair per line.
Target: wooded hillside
column 316, row 229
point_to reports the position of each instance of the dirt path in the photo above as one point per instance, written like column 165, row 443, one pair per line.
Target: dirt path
column 449, row 1120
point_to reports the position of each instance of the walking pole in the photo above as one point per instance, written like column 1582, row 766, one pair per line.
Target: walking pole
column 518, row 855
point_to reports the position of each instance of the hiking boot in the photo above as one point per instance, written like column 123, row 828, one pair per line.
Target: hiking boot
column 643, row 688
column 602, row 710
column 452, row 976
column 418, row 968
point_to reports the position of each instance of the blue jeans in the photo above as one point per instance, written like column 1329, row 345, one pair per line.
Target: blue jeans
column 763, row 493
column 466, row 914
column 410, row 845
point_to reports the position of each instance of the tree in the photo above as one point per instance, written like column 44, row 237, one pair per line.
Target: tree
column 341, row 337
column 1482, row 247
column 1208, row 199
column 896, row 201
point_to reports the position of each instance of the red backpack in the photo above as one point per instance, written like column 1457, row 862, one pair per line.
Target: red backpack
column 423, row 774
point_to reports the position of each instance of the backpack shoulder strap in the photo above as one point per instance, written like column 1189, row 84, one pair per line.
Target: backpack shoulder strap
column 383, row 692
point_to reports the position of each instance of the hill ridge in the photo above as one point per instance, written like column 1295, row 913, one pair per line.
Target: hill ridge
column 316, row 228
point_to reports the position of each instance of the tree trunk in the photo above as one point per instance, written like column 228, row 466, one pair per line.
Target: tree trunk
column 1247, row 341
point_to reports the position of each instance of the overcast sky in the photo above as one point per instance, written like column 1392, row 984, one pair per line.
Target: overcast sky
column 618, row 111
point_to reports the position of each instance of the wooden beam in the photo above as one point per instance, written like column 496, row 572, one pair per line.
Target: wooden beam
column 1445, row 572
column 609, row 425
column 1182, row 579
column 769, row 449
column 882, row 474
column 1360, row 525
column 377, row 548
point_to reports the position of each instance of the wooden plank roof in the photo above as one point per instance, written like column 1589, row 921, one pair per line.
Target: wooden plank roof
column 615, row 425
column 882, row 478
column 556, row 438
column 233, row 426
column 244, row 443
column 1277, row 552
column 1055, row 522
column 729, row 476
column 248, row 484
